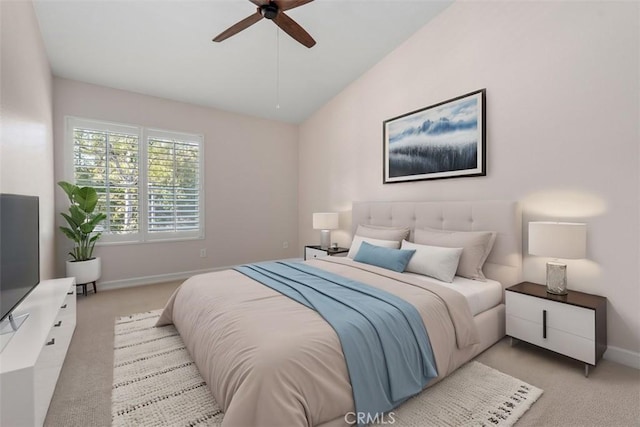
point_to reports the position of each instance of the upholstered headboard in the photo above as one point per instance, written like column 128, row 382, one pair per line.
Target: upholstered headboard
column 504, row 264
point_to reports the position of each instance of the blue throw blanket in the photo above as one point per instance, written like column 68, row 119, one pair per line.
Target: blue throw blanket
column 383, row 338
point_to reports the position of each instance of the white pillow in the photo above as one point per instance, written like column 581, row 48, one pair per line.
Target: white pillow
column 433, row 261
column 476, row 247
column 357, row 241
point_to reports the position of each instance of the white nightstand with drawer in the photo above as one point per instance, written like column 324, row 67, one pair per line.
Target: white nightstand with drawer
column 574, row 325
column 313, row 251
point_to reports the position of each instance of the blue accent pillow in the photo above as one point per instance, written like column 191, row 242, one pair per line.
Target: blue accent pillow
column 391, row 259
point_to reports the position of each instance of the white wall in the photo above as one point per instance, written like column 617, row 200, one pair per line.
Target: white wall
column 562, row 82
column 250, row 183
column 26, row 144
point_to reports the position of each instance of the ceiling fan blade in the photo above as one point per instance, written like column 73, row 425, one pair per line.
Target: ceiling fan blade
column 236, row 28
column 290, row 4
column 292, row 28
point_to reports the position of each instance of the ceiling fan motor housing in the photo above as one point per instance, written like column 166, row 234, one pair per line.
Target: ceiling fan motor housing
column 269, row 11
column 273, row 10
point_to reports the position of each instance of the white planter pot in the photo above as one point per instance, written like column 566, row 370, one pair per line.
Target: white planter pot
column 85, row 271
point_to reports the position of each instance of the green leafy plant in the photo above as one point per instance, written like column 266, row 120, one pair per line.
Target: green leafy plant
column 81, row 219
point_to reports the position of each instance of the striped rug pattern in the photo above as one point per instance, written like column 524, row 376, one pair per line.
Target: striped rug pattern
column 156, row 383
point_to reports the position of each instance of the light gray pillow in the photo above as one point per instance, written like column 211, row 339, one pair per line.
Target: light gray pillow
column 476, row 246
column 383, row 233
column 433, row 261
column 357, row 241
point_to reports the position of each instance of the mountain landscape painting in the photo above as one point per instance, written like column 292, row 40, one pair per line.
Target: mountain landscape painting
column 441, row 141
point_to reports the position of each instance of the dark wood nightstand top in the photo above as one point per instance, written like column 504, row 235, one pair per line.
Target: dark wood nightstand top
column 330, row 251
column 579, row 299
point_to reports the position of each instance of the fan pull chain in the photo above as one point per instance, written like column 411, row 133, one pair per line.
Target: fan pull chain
column 277, row 68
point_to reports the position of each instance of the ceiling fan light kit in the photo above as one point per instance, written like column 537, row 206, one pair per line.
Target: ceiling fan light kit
column 273, row 10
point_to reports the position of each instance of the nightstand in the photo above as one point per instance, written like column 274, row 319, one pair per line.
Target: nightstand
column 574, row 325
column 314, row 251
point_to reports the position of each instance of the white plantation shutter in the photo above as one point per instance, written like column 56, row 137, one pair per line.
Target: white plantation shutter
column 149, row 191
column 106, row 157
column 173, row 183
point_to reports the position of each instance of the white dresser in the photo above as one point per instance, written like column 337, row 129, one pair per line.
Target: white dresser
column 574, row 325
column 31, row 361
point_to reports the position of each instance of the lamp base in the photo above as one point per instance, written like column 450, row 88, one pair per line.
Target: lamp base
column 325, row 239
column 557, row 278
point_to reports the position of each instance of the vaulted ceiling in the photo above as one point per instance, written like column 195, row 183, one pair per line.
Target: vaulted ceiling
column 164, row 49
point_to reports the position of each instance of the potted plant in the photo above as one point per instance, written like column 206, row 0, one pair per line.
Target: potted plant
column 82, row 221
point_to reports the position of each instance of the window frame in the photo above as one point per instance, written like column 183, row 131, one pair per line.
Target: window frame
column 143, row 133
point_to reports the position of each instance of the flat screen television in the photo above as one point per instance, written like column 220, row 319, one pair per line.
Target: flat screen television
column 19, row 249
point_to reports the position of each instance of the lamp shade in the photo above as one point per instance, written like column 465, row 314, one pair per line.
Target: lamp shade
column 325, row 221
column 558, row 239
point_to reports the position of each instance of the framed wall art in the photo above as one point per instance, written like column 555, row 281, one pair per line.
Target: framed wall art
column 445, row 140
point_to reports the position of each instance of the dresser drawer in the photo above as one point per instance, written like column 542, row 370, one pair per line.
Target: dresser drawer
column 311, row 253
column 562, row 342
column 49, row 364
column 60, row 334
column 559, row 316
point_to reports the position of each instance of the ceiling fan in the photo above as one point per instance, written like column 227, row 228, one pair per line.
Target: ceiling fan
column 274, row 11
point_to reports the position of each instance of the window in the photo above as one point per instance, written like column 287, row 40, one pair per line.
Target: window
column 173, row 182
column 149, row 181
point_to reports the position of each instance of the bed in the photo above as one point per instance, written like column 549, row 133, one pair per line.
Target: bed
column 269, row 360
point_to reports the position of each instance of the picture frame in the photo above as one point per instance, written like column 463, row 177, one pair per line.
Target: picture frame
column 444, row 140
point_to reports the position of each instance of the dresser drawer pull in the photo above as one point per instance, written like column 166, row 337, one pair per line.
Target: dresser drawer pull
column 52, row 342
column 544, row 324
column 57, row 325
column 70, row 293
column 64, row 306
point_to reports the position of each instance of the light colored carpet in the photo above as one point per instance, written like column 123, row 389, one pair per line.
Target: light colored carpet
column 155, row 383
column 609, row 397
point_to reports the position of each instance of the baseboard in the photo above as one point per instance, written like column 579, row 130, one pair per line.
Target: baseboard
column 150, row 280
column 622, row 356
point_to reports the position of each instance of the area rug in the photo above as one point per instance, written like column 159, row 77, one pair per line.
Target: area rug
column 156, row 383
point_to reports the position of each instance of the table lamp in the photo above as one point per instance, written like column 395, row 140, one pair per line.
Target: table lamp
column 566, row 240
column 325, row 221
